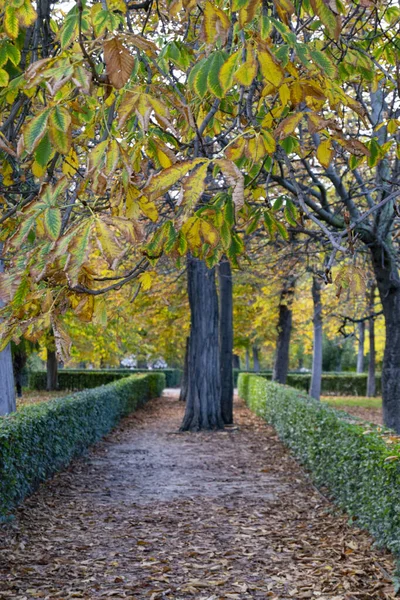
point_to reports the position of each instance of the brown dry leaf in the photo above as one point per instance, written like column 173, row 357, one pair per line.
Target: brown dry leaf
column 119, row 62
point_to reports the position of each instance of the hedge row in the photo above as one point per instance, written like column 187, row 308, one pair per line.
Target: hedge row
column 342, row 384
column 349, row 457
column 41, row 439
column 80, row 379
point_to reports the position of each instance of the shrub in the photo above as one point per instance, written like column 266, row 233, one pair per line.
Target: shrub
column 340, row 384
column 41, row 439
column 80, row 379
column 358, row 462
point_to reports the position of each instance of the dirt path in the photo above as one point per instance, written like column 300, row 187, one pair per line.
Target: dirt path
column 153, row 514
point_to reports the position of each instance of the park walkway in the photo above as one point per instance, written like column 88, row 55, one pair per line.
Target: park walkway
column 154, row 514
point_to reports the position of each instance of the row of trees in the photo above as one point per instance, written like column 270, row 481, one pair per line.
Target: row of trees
column 131, row 131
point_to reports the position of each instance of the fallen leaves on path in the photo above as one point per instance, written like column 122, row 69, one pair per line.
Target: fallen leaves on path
column 34, row 397
column 154, row 514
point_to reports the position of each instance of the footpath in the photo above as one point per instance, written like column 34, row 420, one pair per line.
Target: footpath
column 154, row 514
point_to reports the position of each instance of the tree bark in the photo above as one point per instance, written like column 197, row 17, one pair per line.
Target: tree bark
column 52, row 371
column 371, row 381
column 256, row 360
column 19, row 358
column 281, row 365
column 316, row 374
column 226, row 339
column 7, row 386
column 203, row 403
column 387, row 278
column 361, row 340
column 184, row 384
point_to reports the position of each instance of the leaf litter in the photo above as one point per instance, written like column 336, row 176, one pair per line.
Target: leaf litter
column 153, row 514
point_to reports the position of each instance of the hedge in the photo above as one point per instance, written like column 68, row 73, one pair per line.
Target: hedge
column 41, row 439
column 356, row 461
column 80, row 379
column 342, row 384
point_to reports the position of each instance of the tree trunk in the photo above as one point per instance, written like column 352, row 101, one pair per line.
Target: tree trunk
column 281, row 365
column 236, row 361
column 256, row 360
column 7, row 386
column 19, row 358
column 361, row 339
column 52, row 371
column 371, row 382
column 387, row 278
column 316, row 374
column 184, row 383
column 226, row 339
column 247, row 360
column 203, row 403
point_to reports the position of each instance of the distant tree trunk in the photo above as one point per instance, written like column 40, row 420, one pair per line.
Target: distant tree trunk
column 184, row 383
column 256, row 360
column 371, row 382
column 7, row 386
column 203, row 402
column 226, row 339
column 236, row 361
column 247, row 360
column 19, row 358
column 52, row 371
column 281, row 365
column 361, row 340
column 316, row 374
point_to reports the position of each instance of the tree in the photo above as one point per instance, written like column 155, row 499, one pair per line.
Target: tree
column 284, row 328
column 132, row 131
column 360, row 355
column 315, row 384
column 226, row 339
column 7, row 385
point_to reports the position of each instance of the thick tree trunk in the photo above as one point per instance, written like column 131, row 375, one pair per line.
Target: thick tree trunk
column 7, row 387
column 236, row 361
column 247, row 360
column 371, row 381
column 256, row 360
column 387, row 278
column 19, row 358
column 226, row 339
column 361, row 340
column 52, row 371
column 316, row 374
column 281, row 365
column 203, row 403
column 184, row 383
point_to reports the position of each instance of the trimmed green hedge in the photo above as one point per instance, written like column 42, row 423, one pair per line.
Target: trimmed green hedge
column 81, row 379
column 341, row 384
column 41, row 439
column 348, row 456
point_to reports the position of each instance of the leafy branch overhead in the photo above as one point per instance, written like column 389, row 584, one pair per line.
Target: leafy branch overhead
column 134, row 131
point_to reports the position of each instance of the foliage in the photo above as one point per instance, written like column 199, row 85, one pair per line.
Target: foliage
column 132, row 132
column 41, row 439
column 357, row 462
column 75, row 379
column 343, row 384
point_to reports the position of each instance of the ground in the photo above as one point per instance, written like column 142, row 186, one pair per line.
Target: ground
column 154, row 514
column 369, row 409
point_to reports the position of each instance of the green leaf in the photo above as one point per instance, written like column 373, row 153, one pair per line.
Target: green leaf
column 323, row 62
column 43, row 151
column 52, row 222
column 200, row 83
column 69, row 31
column 214, row 68
column 35, row 130
column 4, row 78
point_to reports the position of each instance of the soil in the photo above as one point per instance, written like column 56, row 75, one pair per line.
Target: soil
column 150, row 513
column 373, row 415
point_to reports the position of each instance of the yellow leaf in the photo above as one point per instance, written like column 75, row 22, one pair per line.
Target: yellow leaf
column 108, row 243
column 26, row 14
column 10, row 22
column 246, row 73
column 164, row 180
column 325, row 153
column 271, row 70
column 288, row 125
column 284, row 94
column 71, row 163
column 37, row 169
column 193, row 186
column 146, row 280
column 148, row 208
column 227, row 71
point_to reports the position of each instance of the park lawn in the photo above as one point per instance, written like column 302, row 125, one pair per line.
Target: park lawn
column 34, row 397
column 340, row 401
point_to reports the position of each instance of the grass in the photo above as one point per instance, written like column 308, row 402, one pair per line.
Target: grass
column 337, row 401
